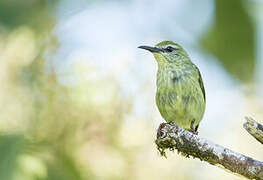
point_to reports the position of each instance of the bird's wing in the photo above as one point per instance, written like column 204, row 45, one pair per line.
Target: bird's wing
column 200, row 82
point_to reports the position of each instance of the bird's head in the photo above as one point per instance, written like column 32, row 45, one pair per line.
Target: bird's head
column 167, row 52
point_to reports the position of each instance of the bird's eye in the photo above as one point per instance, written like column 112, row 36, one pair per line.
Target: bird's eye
column 169, row 48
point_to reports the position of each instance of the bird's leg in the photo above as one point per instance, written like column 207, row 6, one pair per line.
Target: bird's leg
column 192, row 129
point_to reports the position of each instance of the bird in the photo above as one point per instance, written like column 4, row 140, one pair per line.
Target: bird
column 180, row 95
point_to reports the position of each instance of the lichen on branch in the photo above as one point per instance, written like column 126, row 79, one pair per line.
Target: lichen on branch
column 254, row 128
column 173, row 137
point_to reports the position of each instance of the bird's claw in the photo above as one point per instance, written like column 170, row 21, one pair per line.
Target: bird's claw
column 159, row 130
column 194, row 132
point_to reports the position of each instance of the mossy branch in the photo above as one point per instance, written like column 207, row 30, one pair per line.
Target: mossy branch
column 254, row 128
column 173, row 137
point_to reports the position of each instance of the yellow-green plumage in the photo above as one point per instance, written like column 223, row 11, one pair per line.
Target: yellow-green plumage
column 180, row 95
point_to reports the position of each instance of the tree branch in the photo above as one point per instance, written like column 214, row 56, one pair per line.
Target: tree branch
column 173, row 137
column 254, row 128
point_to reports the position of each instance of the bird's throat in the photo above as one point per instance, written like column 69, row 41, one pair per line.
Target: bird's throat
column 160, row 59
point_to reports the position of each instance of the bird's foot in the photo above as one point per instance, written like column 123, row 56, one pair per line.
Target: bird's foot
column 193, row 131
column 159, row 132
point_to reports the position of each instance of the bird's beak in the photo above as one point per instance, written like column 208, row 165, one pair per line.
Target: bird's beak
column 149, row 48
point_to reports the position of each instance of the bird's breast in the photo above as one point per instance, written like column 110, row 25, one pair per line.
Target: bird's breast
column 169, row 88
column 170, row 78
column 179, row 97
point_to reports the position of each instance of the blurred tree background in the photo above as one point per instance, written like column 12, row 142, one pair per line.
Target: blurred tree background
column 86, row 129
column 232, row 39
column 43, row 123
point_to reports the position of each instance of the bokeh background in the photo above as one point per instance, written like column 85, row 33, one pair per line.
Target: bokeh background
column 77, row 95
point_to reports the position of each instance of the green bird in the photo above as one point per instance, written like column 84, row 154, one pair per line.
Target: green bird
column 180, row 95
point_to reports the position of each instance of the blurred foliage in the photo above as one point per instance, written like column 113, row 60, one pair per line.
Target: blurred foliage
column 11, row 147
column 56, row 121
column 232, row 39
column 33, row 13
column 85, row 131
column 48, row 123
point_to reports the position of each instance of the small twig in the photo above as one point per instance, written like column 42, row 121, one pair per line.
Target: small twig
column 175, row 138
column 254, row 128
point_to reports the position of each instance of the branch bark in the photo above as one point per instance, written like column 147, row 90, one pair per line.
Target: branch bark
column 254, row 128
column 173, row 137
